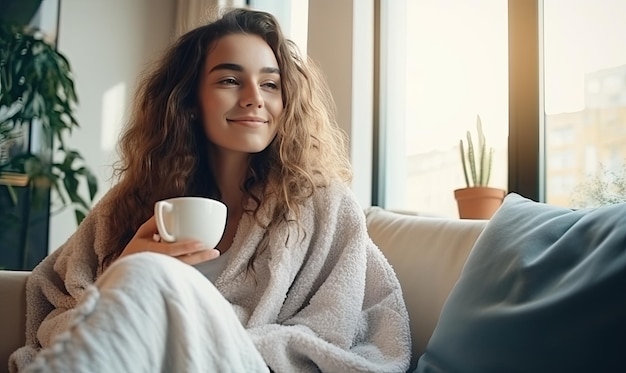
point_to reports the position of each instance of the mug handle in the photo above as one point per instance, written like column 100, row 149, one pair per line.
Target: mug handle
column 160, row 208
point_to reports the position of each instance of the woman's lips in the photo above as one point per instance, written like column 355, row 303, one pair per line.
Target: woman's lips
column 248, row 121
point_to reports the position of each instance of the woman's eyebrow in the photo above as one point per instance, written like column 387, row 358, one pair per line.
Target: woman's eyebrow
column 270, row 70
column 236, row 67
column 227, row 66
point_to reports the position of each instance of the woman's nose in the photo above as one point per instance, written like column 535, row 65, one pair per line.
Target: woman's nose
column 251, row 96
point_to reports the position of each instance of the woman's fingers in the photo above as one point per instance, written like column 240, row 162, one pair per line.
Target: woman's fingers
column 180, row 248
column 188, row 251
column 199, row 256
column 147, row 229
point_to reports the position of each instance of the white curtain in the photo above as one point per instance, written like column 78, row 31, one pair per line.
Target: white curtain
column 192, row 13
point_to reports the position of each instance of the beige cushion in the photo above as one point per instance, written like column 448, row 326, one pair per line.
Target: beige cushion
column 12, row 313
column 427, row 254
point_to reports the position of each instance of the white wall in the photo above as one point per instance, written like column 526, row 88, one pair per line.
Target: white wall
column 341, row 40
column 292, row 16
column 108, row 44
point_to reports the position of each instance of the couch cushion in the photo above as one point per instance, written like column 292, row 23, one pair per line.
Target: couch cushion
column 12, row 314
column 427, row 255
column 543, row 290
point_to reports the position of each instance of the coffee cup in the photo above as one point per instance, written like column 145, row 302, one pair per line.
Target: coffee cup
column 195, row 218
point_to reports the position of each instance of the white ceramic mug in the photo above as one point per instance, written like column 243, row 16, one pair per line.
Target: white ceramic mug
column 196, row 218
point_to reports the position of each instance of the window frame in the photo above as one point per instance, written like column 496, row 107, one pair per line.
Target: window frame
column 526, row 150
column 526, row 143
column 526, row 119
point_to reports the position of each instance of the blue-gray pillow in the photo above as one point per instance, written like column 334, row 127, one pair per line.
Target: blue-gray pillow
column 543, row 290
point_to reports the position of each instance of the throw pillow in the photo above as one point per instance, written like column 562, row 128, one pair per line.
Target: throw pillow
column 543, row 290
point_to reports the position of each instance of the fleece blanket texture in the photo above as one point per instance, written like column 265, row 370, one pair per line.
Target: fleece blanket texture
column 151, row 313
column 323, row 297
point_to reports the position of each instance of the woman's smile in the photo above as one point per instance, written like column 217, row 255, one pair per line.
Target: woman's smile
column 248, row 121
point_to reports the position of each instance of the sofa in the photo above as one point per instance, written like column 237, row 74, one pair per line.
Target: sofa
column 427, row 254
column 479, row 292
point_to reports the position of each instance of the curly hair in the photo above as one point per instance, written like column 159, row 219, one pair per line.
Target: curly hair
column 163, row 154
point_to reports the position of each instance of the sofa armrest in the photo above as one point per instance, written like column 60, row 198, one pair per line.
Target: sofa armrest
column 427, row 254
column 12, row 313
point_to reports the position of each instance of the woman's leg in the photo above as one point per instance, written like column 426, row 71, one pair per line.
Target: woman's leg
column 152, row 313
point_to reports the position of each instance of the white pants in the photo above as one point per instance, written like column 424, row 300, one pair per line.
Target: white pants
column 152, row 313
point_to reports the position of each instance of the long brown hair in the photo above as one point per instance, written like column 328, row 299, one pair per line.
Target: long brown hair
column 163, row 151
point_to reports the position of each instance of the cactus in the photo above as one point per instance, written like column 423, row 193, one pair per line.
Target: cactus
column 479, row 169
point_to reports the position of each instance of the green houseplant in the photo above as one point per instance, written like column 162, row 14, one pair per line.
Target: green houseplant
column 477, row 200
column 477, row 167
column 37, row 99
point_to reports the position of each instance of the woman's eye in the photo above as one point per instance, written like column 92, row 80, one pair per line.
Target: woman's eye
column 270, row 85
column 228, row 81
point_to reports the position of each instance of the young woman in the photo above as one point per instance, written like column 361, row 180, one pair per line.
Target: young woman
column 233, row 113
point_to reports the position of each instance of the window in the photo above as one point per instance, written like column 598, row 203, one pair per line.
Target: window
column 584, row 65
column 442, row 64
column 547, row 77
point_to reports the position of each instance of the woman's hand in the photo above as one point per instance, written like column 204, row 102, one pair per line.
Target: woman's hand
column 188, row 251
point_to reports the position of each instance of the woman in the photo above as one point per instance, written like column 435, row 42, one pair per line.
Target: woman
column 231, row 112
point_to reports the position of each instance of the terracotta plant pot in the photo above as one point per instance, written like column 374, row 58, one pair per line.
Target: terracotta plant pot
column 478, row 202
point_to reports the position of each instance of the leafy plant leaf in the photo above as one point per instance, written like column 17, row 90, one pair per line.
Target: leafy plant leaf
column 37, row 89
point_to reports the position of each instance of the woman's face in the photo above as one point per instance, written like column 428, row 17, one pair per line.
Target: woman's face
column 240, row 94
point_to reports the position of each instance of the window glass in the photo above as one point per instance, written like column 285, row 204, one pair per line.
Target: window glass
column 585, row 101
column 443, row 64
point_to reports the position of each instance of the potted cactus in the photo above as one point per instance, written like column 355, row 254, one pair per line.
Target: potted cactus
column 477, row 200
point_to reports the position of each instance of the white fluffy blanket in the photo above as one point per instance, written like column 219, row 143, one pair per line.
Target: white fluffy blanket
column 325, row 299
